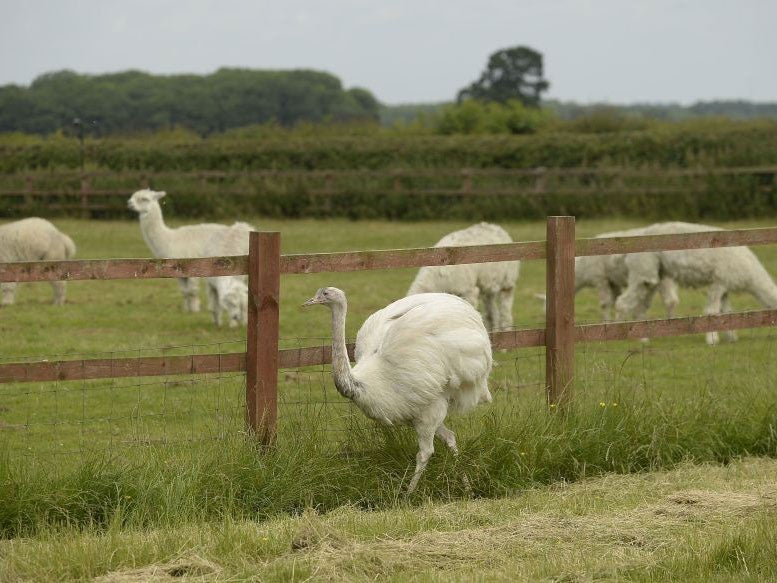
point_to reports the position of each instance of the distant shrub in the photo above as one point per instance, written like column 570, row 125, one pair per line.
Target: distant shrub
column 605, row 120
column 477, row 117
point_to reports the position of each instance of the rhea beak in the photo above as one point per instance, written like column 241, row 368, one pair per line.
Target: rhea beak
column 311, row 302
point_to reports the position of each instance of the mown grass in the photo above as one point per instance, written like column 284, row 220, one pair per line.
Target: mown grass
column 694, row 523
column 144, row 454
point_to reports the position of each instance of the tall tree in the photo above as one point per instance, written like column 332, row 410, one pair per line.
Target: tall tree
column 512, row 73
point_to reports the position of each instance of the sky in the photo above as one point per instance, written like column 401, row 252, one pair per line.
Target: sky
column 411, row 51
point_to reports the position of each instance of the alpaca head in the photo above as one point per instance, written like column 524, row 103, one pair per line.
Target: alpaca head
column 235, row 303
column 144, row 200
column 328, row 296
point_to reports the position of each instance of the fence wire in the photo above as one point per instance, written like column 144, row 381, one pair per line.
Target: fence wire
column 81, row 418
column 85, row 417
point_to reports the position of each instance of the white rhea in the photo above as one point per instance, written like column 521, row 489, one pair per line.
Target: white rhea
column 415, row 359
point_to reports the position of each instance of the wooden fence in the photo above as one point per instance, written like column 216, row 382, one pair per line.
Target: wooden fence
column 87, row 192
column 264, row 265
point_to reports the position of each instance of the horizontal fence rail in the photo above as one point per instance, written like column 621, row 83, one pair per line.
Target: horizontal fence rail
column 264, row 265
column 98, row 191
column 31, row 271
column 92, row 369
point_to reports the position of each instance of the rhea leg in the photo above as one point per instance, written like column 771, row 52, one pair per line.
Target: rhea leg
column 425, row 451
column 426, row 426
column 450, row 440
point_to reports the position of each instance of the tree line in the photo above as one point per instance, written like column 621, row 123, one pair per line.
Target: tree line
column 134, row 101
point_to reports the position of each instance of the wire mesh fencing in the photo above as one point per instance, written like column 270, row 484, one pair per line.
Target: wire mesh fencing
column 109, row 415
column 39, row 420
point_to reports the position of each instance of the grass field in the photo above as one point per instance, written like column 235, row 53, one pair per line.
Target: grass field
column 695, row 523
column 157, row 459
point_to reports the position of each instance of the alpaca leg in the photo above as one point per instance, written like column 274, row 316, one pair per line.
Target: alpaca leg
column 191, row 290
column 8, row 291
column 59, row 288
column 213, row 302
column 714, row 300
column 505, row 307
column 725, row 307
column 606, row 295
column 490, row 311
column 193, row 297
column 667, row 289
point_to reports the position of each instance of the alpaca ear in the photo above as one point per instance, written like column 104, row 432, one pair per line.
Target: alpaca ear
column 159, row 194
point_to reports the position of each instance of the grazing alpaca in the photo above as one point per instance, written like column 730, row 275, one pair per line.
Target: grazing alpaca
column 415, row 358
column 34, row 239
column 167, row 243
column 608, row 275
column 492, row 285
column 723, row 269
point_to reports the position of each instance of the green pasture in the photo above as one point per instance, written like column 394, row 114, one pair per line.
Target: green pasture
column 143, row 453
column 114, row 319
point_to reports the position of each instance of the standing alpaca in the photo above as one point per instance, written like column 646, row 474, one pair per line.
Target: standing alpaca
column 415, row 358
column 608, row 275
column 229, row 293
column 490, row 284
column 34, row 239
column 723, row 269
column 167, row 243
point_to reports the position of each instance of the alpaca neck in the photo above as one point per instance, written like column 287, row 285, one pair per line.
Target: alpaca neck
column 764, row 289
column 154, row 230
column 345, row 382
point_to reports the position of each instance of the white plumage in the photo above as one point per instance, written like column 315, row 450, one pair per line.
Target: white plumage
column 722, row 269
column 415, row 359
column 490, row 286
column 34, row 239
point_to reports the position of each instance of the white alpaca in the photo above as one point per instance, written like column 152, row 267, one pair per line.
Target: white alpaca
column 488, row 285
column 415, row 359
column 164, row 242
column 34, row 239
column 229, row 293
column 723, row 269
column 608, row 275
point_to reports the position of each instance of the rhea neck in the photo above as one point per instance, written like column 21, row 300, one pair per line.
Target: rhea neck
column 345, row 382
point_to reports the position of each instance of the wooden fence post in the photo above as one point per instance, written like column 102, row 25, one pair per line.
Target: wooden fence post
column 29, row 190
column 560, row 317
column 264, row 269
column 86, row 187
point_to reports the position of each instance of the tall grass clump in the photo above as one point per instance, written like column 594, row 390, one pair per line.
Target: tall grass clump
column 509, row 447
